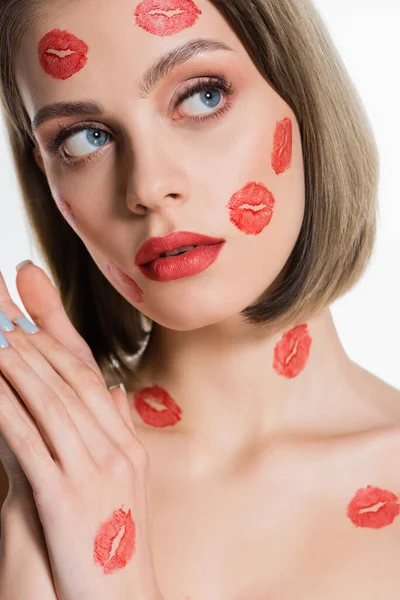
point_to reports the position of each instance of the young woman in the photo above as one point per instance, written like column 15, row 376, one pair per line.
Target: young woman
column 227, row 132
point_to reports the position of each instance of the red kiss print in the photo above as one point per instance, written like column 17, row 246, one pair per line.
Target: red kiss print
column 367, row 498
column 152, row 416
column 250, row 220
column 148, row 16
column 62, row 67
column 283, row 145
column 66, row 210
column 291, row 352
column 105, row 537
column 132, row 288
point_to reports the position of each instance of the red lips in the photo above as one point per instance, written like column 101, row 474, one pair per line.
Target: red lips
column 369, row 497
column 162, row 24
column 62, row 67
column 152, row 416
column 106, row 536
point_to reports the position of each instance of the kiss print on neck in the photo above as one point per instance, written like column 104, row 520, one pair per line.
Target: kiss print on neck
column 132, row 288
column 171, row 415
column 251, row 208
column 62, row 67
column 107, row 533
column 151, row 16
column 292, row 351
column 365, row 499
column 283, row 146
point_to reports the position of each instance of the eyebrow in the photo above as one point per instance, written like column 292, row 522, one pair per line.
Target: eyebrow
column 147, row 83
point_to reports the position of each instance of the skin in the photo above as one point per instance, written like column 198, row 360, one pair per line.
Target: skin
column 253, row 482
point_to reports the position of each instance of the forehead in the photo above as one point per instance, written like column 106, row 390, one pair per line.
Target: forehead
column 118, row 42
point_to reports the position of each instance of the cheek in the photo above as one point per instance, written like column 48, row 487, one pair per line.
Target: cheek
column 130, row 287
column 369, row 498
column 66, row 210
column 292, row 351
column 58, row 42
column 168, row 413
column 166, row 17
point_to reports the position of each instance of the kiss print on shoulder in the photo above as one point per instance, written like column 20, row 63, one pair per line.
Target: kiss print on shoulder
column 151, row 15
column 170, row 415
column 361, row 509
column 292, row 351
column 74, row 50
column 131, row 287
column 107, row 533
column 283, row 146
column 251, row 208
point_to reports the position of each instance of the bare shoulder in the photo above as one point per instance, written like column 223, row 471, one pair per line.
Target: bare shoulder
column 380, row 396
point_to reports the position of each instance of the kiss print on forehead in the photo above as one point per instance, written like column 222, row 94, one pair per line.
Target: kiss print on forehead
column 292, row 351
column 105, row 537
column 171, row 415
column 131, row 287
column 73, row 49
column 151, row 16
column 251, row 208
column 367, row 498
column 283, row 146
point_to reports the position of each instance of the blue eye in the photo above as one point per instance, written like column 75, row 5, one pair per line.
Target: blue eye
column 89, row 137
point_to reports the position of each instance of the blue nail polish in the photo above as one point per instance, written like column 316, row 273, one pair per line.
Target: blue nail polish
column 25, row 324
column 5, row 324
column 3, row 341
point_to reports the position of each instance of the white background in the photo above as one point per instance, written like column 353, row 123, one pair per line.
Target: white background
column 367, row 34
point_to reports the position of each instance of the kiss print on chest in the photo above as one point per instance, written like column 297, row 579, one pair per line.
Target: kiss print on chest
column 170, row 415
column 131, row 287
column 251, row 208
column 362, row 509
column 283, row 146
column 292, row 351
column 71, row 56
column 166, row 17
column 119, row 521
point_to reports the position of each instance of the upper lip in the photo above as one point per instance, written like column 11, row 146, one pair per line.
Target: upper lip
column 153, row 247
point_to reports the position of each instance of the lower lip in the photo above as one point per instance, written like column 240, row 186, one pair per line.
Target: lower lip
column 369, row 497
column 163, row 25
column 62, row 67
column 106, row 536
column 190, row 263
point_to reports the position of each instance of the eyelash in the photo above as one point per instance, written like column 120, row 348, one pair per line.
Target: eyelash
column 220, row 82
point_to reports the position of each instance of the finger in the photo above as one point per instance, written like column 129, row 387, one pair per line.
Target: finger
column 43, row 303
column 121, row 400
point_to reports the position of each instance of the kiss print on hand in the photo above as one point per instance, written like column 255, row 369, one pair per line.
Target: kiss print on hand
column 365, row 499
column 105, row 537
column 292, row 351
column 151, row 16
column 171, row 415
column 251, row 208
column 283, row 146
column 62, row 67
column 131, row 287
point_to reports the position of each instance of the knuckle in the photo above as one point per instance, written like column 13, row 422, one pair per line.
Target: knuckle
column 20, row 342
column 87, row 376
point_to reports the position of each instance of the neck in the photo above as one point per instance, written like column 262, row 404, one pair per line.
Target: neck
column 224, row 381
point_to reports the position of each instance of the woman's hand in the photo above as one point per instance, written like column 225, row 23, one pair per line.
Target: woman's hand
column 86, row 467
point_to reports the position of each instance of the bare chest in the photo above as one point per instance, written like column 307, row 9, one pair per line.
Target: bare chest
column 285, row 535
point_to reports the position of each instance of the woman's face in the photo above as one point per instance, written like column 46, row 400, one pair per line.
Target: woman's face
column 225, row 162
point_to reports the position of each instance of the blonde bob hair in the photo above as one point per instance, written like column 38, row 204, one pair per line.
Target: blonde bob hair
column 292, row 49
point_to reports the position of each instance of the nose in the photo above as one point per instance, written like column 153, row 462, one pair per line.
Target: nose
column 157, row 177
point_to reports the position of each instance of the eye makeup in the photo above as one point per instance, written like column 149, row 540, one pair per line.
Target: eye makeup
column 149, row 16
column 62, row 67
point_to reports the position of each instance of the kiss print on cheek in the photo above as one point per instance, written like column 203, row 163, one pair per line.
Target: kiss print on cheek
column 66, row 210
column 105, row 537
column 283, row 146
column 130, row 286
column 251, row 208
column 292, row 351
column 62, row 67
column 171, row 415
column 368, row 497
column 150, row 16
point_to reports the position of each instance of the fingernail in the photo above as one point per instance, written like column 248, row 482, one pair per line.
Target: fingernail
column 3, row 341
column 23, row 263
column 25, row 324
column 5, row 324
